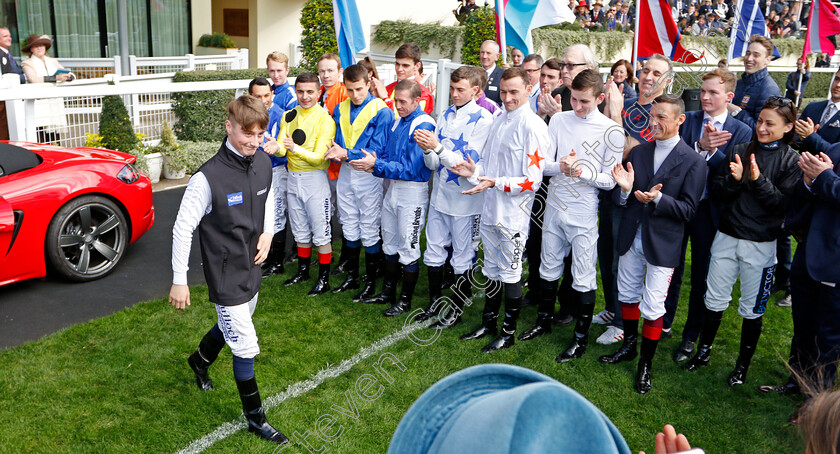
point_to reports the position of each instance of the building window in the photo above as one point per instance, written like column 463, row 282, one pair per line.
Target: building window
column 88, row 28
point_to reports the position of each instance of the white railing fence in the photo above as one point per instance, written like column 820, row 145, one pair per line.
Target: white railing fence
column 94, row 68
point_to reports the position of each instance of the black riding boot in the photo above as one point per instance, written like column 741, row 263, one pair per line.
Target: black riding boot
column 490, row 316
column 323, row 283
column 750, row 332
column 276, row 255
column 463, row 294
column 351, row 266
column 403, row 304
column 643, row 384
column 545, row 312
column 392, row 271
column 200, row 361
column 343, row 258
column 372, row 268
column 252, row 407
column 302, row 273
column 513, row 303
column 711, row 323
column 586, row 306
column 627, row 351
column 435, row 293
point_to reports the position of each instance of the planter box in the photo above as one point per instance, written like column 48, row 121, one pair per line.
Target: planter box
column 155, row 163
column 172, row 174
column 201, row 50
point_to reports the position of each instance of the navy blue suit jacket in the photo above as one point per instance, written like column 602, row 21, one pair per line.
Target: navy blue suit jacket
column 690, row 133
column 822, row 243
column 492, row 90
column 683, row 178
column 827, row 134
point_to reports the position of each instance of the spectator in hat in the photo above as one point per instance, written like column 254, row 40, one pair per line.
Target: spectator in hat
column 40, row 67
column 599, row 16
column 582, row 14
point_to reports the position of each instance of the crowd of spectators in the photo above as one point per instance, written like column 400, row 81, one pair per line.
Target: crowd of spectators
column 785, row 18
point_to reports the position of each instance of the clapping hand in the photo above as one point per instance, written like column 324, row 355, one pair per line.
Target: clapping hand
column 366, row 163
column 568, row 165
column 624, row 178
column 465, row 168
column 483, row 183
column 812, row 166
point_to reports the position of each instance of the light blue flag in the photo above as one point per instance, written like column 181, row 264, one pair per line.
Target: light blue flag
column 349, row 33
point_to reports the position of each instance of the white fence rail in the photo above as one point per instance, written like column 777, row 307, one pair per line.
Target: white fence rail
column 93, row 68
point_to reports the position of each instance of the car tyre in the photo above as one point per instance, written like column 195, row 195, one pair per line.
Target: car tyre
column 86, row 238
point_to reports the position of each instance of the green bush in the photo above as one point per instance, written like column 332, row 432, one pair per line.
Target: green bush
column 318, row 36
column 115, row 125
column 395, row 33
column 479, row 27
column 216, row 40
column 201, row 114
column 194, row 154
column 817, row 86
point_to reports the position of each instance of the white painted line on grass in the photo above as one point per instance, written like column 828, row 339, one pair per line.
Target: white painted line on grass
column 302, row 387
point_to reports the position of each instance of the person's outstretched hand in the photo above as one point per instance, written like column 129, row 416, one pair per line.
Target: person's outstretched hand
column 670, row 441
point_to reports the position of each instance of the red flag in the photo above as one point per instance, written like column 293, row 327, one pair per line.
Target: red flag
column 823, row 28
column 664, row 38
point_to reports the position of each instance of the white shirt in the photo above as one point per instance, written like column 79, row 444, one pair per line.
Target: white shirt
column 197, row 203
column 514, row 156
column 598, row 143
column 460, row 131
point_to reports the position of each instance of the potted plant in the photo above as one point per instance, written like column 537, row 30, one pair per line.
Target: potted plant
column 216, row 44
column 174, row 162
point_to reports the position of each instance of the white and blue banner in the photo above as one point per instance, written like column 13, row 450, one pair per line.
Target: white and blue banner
column 349, row 33
column 748, row 21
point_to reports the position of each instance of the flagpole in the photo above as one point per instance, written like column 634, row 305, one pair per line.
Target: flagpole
column 502, row 37
column 636, row 40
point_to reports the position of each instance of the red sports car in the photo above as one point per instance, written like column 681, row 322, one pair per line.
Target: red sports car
column 74, row 208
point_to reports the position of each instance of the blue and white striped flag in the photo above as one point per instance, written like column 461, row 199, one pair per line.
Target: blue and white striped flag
column 748, row 21
column 349, row 33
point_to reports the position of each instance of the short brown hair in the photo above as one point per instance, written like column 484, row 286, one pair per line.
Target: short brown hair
column 307, row 78
column 482, row 76
column 355, row 73
column 553, row 63
column 247, row 111
column 516, row 71
column 409, row 85
column 627, row 67
column 764, row 41
column 279, row 57
column 409, row 50
column 331, row 56
column 588, row 79
column 467, row 72
column 672, row 99
column 726, row 76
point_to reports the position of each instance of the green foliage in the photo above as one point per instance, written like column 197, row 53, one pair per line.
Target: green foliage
column 555, row 39
column 395, row 33
column 93, row 140
column 479, row 27
column 115, row 125
column 201, row 114
column 216, row 40
column 318, row 36
column 817, row 86
column 191, row 155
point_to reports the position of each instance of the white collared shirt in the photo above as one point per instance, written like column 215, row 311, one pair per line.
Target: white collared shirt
column 718, row 123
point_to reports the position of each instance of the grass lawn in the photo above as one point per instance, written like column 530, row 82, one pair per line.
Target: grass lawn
column 121, row 383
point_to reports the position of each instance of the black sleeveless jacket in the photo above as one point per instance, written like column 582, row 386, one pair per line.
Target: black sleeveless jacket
column 229, row 233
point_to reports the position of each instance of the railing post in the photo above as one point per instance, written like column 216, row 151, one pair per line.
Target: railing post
column 243, row 59
column 442, row 90
column 15, row 114
column 117, row 66
column 132, row 65
column 190, row 63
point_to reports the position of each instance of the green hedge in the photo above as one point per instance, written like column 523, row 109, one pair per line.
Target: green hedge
column 318, row 36
column 395, row 33
column 201, row 114
column 479, row 27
